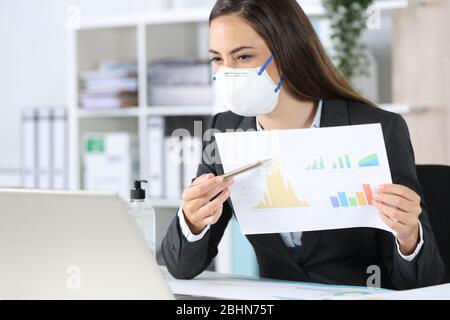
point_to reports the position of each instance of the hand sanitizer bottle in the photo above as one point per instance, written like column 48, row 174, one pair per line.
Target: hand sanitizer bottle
column 144, row 214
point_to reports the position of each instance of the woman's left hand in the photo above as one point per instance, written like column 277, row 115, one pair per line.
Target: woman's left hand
column 399, row 207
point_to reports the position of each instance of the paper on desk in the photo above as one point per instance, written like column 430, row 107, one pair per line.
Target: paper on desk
column 266, row 289
column 439, row 292
column 318, row 179
column 211, row 284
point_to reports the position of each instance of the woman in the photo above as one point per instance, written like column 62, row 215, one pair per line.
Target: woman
column 298, row 87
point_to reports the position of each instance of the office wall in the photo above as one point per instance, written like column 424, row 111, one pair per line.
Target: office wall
column 421, row 66
column 379, row 42
column 33, row 61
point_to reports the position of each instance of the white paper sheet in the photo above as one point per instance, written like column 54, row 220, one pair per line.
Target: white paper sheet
column 318, row 179
column 439, row 292
column 266, row 289
column 212, row 284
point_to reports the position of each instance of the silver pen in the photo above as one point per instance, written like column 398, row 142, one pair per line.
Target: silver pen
column 245, row 168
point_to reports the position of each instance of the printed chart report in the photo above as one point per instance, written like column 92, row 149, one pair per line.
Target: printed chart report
column 318, row 179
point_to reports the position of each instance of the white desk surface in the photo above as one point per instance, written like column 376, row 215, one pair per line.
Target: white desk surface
column 215, row 285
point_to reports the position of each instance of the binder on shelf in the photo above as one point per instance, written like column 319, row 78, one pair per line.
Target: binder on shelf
column 60, row 150
column 192, row 151
column 155, row 130
column 44, row 149
column 172, row 168
column 29, row 149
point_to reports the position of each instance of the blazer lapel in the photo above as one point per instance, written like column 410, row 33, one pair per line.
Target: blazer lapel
column 334, row 113
column 247, row 123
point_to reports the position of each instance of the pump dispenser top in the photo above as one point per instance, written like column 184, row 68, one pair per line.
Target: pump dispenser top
column 138, row 193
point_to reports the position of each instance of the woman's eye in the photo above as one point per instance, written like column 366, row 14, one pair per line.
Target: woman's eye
column 244, row 57
column 215, row 59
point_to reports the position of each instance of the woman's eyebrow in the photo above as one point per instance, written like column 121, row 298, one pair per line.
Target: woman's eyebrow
column 234, row 50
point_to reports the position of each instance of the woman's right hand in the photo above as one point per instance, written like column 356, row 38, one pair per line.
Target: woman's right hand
column 200, row 205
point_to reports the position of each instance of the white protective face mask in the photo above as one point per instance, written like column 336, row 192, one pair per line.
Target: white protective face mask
column 248, row 91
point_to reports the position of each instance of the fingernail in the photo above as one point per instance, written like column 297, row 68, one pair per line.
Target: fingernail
column 375, row 195
column 230, row 181
column 380, row 187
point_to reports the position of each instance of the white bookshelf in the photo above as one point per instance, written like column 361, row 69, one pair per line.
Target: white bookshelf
column 140, row 39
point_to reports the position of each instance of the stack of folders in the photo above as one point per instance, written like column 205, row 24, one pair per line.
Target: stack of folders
column 44, row 148
column 110, row 161
column 173, row 161
column 111, row 86
column 180, row 82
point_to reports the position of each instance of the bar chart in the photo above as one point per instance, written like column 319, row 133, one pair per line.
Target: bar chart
column 342, row 163
column 361, row 198
column 317, row 165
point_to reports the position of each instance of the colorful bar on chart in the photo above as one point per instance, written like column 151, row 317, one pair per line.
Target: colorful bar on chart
column 368, row 193
column 343, row 199
column 352, row 201
column 361, row 199
column 347, row 161
column 318, row 165
column 334, row 202
column 341, row 163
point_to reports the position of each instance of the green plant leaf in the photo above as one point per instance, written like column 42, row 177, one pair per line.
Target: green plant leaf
column 348, row 21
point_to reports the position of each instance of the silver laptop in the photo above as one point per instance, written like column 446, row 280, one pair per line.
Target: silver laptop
column 73, row 245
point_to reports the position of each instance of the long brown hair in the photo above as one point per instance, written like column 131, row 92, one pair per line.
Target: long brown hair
column 308, row 71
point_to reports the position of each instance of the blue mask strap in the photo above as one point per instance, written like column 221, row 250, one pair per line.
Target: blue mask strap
column 279, row 84
column 265, row 65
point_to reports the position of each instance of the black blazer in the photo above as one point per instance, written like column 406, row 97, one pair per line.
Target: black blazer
column 332, row 256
